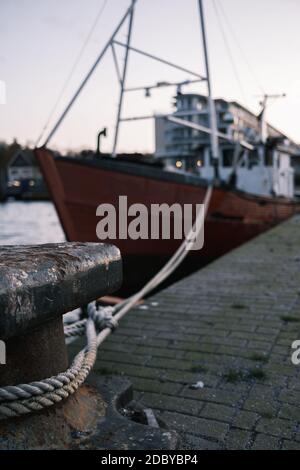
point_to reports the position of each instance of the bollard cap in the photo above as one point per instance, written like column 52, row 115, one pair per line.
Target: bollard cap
column 39, row 283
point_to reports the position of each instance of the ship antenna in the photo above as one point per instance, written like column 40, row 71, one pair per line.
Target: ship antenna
column 211, row 104
column 262, row 115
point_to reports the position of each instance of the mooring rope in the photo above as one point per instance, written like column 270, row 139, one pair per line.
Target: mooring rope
column 23, row 399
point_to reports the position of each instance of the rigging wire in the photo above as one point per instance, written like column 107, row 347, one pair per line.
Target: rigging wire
column 229, row 51
column 73, row 68
column 242, row 52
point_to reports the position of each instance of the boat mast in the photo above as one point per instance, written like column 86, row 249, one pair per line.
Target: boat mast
column 211, row 104
column 123, row 79
column 89, row 74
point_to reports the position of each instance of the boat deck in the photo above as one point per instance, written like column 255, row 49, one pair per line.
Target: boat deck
column 230, row 326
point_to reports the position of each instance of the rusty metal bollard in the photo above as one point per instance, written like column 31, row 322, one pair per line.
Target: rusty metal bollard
column 38, row 284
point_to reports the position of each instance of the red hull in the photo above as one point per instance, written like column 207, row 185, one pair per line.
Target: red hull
column 78, row 187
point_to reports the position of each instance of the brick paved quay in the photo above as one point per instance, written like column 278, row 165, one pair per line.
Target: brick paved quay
column 230, row 326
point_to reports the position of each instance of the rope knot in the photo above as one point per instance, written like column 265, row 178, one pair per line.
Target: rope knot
column 102, row 316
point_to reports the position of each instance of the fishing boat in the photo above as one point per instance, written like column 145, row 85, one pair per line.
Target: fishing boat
column 251, row 173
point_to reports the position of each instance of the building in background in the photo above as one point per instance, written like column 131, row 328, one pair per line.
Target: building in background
column 20, row 175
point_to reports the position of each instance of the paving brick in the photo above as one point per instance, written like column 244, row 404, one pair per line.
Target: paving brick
column 213, row 395
column 245, row 420
column 262, row 400
column 138, row 340
column 260, row 345
column 289, row 396
column 240, row 334
column 158, row 352
column 168, row 363
column 195, row 356
column 191, row 442
column 157, row 386
column 290, row 445
column 115, row 356
column 198, row 426
column 218, row 412
column 290, row 412
column 276, row 427
column 283, row 368
column 127, row 370
column 166, row 402
column 199, row 347
column 237, row 439
column 265, row 442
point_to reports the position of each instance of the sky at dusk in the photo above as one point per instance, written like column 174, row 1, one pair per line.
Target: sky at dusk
column 40, row 40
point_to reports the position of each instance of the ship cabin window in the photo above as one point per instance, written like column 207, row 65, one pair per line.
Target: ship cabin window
column 227, row 159
column 223, row 130
column 190, row 164
column 227, row 117
column 268, row 157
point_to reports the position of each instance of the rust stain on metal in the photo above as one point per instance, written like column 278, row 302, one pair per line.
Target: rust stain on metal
column 67, row 425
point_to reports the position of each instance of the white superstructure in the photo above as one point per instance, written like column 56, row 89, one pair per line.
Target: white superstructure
column 257, row 166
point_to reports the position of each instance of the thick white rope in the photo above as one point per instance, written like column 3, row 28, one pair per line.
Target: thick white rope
column 23, row 399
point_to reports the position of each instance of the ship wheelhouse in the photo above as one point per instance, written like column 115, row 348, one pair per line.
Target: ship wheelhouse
column 253, row 156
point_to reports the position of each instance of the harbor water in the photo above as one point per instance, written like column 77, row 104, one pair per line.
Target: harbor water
column 23, row 223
